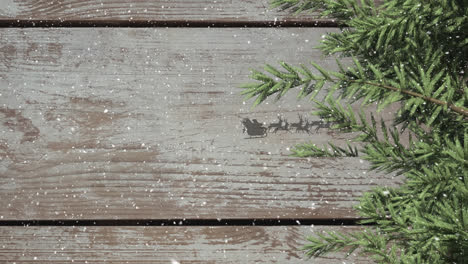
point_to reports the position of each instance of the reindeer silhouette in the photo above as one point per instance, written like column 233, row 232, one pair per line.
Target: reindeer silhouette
column 302, row 126
column 282, row 124
column 254, row 128
column 319, row 124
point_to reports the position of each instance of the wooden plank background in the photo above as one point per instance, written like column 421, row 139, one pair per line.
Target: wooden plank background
column 146, row 123
column 207, row 245
column 216, row 11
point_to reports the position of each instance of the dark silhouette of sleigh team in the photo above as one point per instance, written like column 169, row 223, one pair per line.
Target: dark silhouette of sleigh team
column 257, row 129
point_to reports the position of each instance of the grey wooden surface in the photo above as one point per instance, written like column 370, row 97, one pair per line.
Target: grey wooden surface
column 146, row 10
column 165, row 245
column 146, row 124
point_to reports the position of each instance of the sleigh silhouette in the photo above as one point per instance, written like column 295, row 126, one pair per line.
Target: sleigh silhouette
column 257, row 129
column 254, row 128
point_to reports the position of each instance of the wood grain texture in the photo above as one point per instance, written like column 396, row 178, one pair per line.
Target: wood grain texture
column 146, row 124
column 145, row 10
column 162, row 244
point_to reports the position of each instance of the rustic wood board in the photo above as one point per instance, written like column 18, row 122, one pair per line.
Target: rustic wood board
column 243, row 244
column 146, row 124
column 146, row 10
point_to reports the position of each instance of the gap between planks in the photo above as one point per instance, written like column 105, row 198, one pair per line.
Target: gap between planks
column 187, row 222
column 168, row 24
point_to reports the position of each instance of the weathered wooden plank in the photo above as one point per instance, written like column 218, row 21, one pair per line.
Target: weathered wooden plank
column 145, row 10
column 162, row 245
column 146, row 124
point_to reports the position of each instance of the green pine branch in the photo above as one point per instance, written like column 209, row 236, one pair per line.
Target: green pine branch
column 407, row 52
column 311, row 150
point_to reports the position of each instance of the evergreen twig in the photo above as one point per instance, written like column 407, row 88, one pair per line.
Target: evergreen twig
column 458, row 109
